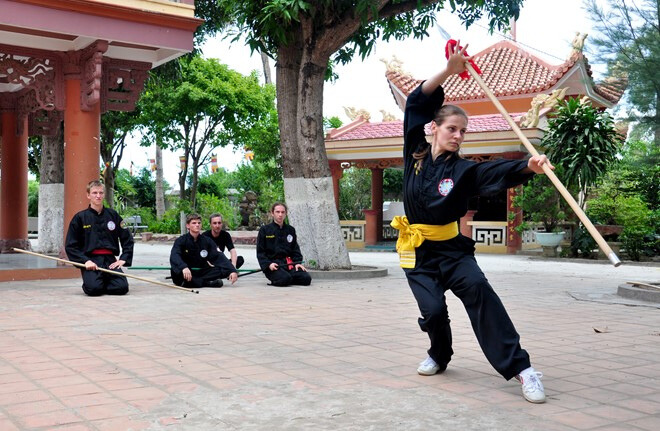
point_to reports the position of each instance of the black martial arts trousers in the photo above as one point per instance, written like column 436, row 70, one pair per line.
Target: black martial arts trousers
column 433, row 275
column 284, row 277
column 200, row 277
column 97, row 283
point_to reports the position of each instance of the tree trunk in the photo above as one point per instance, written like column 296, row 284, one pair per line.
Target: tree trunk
column 160, row 195
column 307, row 181
column 51, row 193
column 266, row 65
column 109, row 183
column 107, row 141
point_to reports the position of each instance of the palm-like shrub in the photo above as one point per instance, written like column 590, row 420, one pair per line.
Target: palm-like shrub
column 582, row 140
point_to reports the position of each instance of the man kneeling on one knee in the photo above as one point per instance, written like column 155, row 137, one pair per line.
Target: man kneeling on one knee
column 195, row 261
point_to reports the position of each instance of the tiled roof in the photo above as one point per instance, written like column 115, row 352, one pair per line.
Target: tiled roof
column 359, row 129
column 509, row 70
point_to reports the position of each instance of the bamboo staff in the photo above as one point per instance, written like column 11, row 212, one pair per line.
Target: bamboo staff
column 254, row 271
column 120, row 274
column 551, row 175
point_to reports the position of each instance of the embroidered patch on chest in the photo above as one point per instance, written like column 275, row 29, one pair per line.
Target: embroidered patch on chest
column 289, row 238
column 445, row 186
column 111, row 225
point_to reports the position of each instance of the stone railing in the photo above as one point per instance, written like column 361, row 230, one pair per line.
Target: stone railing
column 490, row 236
column 353, row 232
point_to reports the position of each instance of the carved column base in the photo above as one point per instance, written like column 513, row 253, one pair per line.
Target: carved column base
column 7, row 245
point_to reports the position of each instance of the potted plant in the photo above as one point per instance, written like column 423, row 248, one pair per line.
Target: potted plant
column 602, row 210
column 540, row 202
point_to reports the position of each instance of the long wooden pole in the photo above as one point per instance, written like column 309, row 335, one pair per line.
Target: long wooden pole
column 551, row 175
column 120, row 274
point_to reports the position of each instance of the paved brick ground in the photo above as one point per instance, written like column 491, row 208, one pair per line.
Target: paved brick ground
column 338, row 355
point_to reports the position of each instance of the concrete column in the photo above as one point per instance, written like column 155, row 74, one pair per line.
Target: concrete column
column 81, row 151
column 14, row 192
column 377, row 200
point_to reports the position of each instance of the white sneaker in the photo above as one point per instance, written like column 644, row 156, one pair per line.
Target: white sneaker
column 428, row 367
column 532, row 388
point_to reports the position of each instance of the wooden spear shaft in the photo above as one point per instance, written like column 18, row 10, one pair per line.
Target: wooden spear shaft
column 120, row 274
column 546, row 169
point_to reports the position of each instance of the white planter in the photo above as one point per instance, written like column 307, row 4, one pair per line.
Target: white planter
column 549, row 239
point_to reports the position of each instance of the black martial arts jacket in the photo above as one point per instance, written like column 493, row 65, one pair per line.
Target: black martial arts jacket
column 89, row 231
column 275, row 244
column 438, row 194
column 188, row 253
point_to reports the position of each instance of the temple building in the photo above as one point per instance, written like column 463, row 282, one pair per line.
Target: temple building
column 526, row 86
column 70, row 61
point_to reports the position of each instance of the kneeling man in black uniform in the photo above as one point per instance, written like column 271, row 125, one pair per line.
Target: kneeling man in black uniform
column 278, row 251
column 93, row 239
column 222, row 239
column 195, row 261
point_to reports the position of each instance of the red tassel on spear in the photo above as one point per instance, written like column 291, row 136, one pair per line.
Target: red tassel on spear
column 450, row 47
column 472, row 69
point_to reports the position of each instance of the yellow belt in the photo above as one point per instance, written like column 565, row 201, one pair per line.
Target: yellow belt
column 412, row 236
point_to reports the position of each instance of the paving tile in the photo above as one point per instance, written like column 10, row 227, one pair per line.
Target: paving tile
column 578, row 420
column 306, row 352
column 106, row 411
column 51, row 419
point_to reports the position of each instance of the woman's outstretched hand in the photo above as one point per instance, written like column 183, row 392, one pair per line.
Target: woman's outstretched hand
column 535, row 163
column 457, row 58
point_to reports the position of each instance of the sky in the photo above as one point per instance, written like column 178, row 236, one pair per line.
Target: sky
column 544, row 28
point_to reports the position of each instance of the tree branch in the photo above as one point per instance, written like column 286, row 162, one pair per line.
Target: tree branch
column 335, row 35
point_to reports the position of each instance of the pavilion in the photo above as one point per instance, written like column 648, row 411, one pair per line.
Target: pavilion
column 520, row 80
column 70, row 61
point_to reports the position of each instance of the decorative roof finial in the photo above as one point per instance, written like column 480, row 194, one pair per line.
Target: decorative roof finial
column 387, row 116
column 353, row 113
column 578, row 42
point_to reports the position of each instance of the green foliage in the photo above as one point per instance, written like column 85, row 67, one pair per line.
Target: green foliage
column 393, row 184
column 146, row 214
column 331, row 123
column 583, row 244
column 34, row 156
column 269, row 25
column 134, row 191
column 208, row 106
column 640, row 224
column 540, row 202
column 581, row 140
column 216, row 183
column 637, row 174
column 628, row 195
column 628, row 42
column 33, row 198
column 263, row 178
column 354, row 193
column 209, row 204
column 169, row 224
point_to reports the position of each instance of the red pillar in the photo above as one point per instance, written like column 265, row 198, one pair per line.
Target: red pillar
column 337, row 172
column 465, row 228
column 513, row 238
column 81, row 150
column 370, row 232
column 14, row 192
column 377, row 200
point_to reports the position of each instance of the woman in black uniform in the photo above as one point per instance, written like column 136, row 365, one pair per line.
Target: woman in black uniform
column 434, row 255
